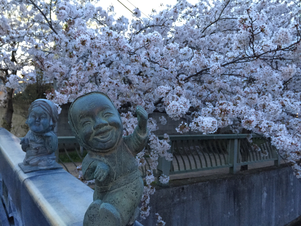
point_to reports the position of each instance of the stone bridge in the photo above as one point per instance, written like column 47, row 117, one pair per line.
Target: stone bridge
column 268, row 196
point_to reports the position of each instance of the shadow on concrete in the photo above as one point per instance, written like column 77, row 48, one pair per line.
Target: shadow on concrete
column 296, row 222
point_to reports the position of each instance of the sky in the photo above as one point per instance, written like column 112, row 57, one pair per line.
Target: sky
column 144, row 6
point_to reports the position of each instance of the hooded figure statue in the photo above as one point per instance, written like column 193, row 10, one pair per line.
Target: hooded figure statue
column 40, row 143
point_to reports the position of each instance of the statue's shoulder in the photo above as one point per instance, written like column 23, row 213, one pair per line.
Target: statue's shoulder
column 28, row 134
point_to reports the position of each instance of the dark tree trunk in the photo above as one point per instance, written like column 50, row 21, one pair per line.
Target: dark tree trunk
column 8, row 116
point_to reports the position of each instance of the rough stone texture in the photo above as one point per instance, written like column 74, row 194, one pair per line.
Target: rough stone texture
column 260, row 197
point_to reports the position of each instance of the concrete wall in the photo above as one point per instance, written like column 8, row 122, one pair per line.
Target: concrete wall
column 270, row 197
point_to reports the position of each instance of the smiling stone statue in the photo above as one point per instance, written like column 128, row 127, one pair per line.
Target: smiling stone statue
column 118, row 184
column 40, row 142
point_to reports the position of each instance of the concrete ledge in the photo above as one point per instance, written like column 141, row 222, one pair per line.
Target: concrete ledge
column 46, row 197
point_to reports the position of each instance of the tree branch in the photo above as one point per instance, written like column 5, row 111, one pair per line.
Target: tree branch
column 2, row 78
column 149, row 26
column 219, row 17
column 49, row 22
column 248, row 58
column 6, row 73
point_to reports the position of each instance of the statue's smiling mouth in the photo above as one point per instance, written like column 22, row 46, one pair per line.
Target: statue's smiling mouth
column 103, row 134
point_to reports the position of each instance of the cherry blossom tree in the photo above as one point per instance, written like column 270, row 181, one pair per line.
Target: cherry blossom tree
column 21, row 28
column 225, row 63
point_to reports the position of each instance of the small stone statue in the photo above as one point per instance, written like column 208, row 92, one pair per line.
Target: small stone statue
column 118, row 184
column 40, row 143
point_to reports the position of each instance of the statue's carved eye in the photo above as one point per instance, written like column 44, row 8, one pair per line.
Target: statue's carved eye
column 107, row 114
column 86, row 122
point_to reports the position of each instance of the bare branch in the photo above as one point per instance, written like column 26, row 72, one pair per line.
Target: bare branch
column 50, row 9
column 49, row 22
column 219, row 17
column 101, row 23
column 149, row 26
column 6, row 74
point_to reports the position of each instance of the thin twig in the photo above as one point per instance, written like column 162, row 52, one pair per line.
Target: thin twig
column 227, row 3
column 49, row 22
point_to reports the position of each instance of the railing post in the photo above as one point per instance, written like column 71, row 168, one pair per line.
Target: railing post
column 164, row 166
column 81, row 150
column 277, row 161
column 232, row 150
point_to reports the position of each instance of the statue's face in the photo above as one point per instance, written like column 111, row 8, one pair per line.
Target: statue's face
column 97, row 122
column 38, row 120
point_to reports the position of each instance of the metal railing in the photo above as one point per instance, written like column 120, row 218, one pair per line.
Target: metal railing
column 204, row 152
column 69, row 151
column 193, row 153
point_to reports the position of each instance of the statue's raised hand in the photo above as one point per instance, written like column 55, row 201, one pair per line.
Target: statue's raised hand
column 142, row 118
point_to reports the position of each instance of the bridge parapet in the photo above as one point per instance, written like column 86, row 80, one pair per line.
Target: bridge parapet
column 45, row 197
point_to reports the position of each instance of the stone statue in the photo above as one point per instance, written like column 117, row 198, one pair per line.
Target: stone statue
column 118, row 184
column 40, row 143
